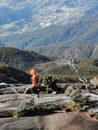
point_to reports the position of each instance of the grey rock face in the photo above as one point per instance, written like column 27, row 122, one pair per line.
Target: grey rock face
column 45, row 113
column 42, row 107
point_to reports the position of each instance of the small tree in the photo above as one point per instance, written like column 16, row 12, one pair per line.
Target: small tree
column 50, row 83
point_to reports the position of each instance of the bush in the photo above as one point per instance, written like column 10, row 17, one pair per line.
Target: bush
column 50, row 83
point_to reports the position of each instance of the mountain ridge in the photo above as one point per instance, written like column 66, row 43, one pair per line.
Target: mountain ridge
column 26, row 15
column 20, row 59
column 83, row 30
column 79, row 33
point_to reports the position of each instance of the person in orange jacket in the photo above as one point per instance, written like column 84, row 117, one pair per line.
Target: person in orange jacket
column 35, row 82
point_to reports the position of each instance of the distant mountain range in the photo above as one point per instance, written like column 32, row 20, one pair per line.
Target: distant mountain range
column 18, row 16
column 50, row 27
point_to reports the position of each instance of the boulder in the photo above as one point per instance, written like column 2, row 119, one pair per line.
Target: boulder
column 41, row 107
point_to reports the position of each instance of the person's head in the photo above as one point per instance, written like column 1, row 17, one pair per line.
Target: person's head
column 33, row 72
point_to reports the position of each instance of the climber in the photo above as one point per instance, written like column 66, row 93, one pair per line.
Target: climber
column 35, row 79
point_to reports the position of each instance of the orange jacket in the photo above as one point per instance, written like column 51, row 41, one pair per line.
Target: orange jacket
column 34, row 81
column 34, row 78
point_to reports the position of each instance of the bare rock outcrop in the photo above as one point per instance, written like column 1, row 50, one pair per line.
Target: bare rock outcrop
column 43, row 106
column 19, row 111
column 57, row 121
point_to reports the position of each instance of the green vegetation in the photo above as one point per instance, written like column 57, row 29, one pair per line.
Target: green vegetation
column 9, row 74
column 15, row 63
column 50, row 83
column 63, row 73
column 88, row 67
column 19, row 59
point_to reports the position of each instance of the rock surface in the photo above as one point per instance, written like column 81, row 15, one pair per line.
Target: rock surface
column 58, row 121
column 10, row 102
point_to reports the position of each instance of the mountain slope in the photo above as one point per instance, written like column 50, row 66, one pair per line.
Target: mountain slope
column 26, row 15
column 23, row 60
column 95, row 52
column 51, row 39
column 87, row 67
column 76, row 33
column 9, row 74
